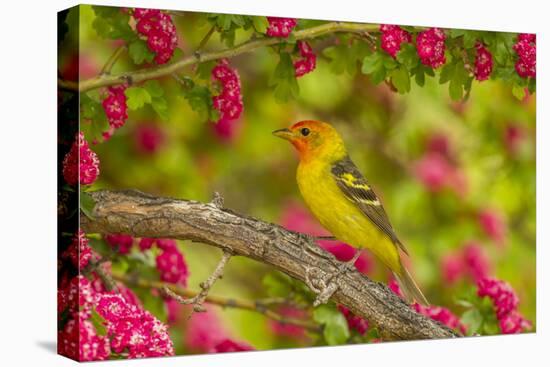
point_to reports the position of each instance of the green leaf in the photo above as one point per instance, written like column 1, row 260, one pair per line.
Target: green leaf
column 284, row 79
column 204, row 69
column 473, row 320
column 112, row 23
column 154, row 88
column 455, row 33
column 455, row 89
column 401, row 80
column 446, row 73
column 335, row 326
column 200, row 99
column 518, row 92
column 87, row 204
column 344, row 57
column 470, row 38
column 260, row 24
column 139, row 52
column 160, row 106
column 137, row 97
column 98, row 322
column 152, row 303
column 408, row 56
column 373, row 65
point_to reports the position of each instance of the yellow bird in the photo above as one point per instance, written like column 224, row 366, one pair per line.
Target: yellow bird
column 342, row 199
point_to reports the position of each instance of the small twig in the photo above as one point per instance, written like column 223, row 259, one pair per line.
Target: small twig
column 106, row 278
column 198, row 300
column 204, row 40
column 112, row 60
column 257, row 306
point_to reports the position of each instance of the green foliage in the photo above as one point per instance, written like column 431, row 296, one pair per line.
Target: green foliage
column 139, row 52
column 93, row 119
column 378, row 65
column 150, row 93
column 460, row 81
column 87, row 204
column 335, row 326
column 283, row 79
column 345, row 57
column 112, row 23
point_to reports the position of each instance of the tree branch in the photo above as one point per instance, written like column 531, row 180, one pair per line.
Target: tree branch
column 295, row 254
column 160, row 71
column 259, row 306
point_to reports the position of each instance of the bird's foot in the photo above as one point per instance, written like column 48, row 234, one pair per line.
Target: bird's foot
column 344, row 267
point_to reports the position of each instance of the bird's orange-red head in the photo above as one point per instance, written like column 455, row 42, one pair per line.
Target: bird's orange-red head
column 314, row 139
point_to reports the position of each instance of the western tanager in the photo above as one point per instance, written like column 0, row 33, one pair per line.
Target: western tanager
column 342, row 199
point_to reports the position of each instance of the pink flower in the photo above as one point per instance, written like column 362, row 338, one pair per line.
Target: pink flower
column 526, row 49
column 354, row 322
column 229, row 102
column 391, row 38
column 120, row 242
column 133, row 329
column 476, row 261
column 159, row 30
column 439, row 143
column 505, row 302
column 81, row 164
column 172, row 267
column 483, row 64
column 307, row 62
column 228, row 345
column 493, row 224
column 79, row 252
column 280, row 27
column 115, row 106
column 395, row 288
column 146, row 243
column 148, row 138
column 79, row 340
column 430, row 45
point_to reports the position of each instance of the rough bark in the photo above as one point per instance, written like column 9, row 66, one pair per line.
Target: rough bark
column 295, row 254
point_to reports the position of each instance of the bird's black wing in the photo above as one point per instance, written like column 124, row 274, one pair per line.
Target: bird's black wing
column 356, row 188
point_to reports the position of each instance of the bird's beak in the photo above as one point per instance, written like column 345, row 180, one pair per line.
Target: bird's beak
column 283, row 134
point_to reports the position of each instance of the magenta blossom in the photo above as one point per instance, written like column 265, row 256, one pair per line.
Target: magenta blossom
column 158, row 29
column 430, row 45
column 483, row 64
column 526, row 49
column 81, row 164
column 280, row 27
column 307, row 62
column 391, row 38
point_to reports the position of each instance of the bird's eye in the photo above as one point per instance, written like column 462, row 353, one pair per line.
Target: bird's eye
column 305, row 131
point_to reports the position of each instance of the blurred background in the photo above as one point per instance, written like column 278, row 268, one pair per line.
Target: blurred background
column 457, row 179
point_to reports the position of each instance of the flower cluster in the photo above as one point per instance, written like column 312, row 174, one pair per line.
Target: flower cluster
column 430, row 45
column 441, row 314
column 483, row 64
column 229, row 102
column 526, row 49
column 391, row 38
column 78, row 338
column 505, row 302
column 354, row 322
column 81, row 164
column 493, row 224
column 120, row 242
column 79, row 252
column 170, row 262
column 308, row 60
column 280, row 27
column 470, row 261
column 159, row 30
column 132, row 329
column 115, row 108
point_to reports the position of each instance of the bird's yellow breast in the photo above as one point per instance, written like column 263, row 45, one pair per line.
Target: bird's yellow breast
column 340, row 216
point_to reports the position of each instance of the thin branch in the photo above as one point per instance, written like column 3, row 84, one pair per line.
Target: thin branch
column 106, row 69
column 259, row 306
column 160, row 71
column 198, row 300
column 142, row 215
column 204, row 40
